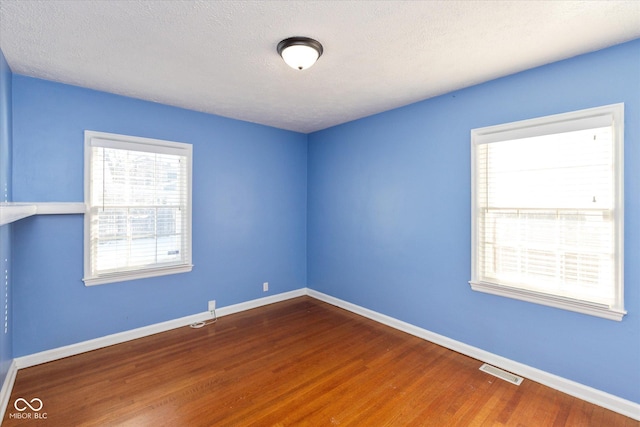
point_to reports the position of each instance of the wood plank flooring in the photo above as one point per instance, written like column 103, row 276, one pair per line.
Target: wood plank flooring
column 300, row 362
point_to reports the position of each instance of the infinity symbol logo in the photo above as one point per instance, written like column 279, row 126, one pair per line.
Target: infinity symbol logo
column 25, row 404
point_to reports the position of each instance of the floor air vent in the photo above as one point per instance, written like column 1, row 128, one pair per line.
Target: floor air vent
column 497, row 372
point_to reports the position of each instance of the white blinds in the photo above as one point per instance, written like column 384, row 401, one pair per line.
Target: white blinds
column 139, row 207
column 547, row 210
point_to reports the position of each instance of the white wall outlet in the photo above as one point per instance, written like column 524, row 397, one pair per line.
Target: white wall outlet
column 212, row 305
column 265, row 286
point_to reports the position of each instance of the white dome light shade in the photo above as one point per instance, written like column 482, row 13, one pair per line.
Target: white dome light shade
column 300, row 52
column 300, row 57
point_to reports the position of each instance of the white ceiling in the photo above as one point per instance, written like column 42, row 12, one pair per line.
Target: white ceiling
column 220, row 56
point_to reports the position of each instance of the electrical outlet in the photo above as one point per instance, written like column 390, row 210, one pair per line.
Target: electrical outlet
column 212, row 305
column 265, row 286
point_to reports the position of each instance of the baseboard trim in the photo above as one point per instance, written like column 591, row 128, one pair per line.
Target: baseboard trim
column 244, row 306
column 120, row 337
column 581, row 391
column 7, row 386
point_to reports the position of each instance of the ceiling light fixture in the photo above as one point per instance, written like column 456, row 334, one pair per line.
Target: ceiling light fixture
column 300, row 52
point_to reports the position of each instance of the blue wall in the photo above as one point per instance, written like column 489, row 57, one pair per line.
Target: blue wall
column 249, row 214
column 5, row 230
column 389, row 220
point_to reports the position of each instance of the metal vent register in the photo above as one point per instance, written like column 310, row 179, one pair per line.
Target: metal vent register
column 497, row 372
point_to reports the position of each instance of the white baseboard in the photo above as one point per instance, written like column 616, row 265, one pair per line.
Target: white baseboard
column 581, row 391
column 243, row 306
column 7, row 386
column 108, row 340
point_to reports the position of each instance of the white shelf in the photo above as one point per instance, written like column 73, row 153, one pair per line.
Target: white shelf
column 14, row 211
column 10, row 212
column 59, row 208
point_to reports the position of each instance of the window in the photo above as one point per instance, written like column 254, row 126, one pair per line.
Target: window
column 138, row 197
column 547, row 211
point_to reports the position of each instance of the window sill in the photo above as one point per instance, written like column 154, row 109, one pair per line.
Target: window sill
column 134, row 275
column 593, row 309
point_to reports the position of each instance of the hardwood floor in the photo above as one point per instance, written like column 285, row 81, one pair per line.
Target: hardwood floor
column 296, row 363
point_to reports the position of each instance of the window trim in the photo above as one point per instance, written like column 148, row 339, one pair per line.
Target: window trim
column 112, row 140
column 612, row 115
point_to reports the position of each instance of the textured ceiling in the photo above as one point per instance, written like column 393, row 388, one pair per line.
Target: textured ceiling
column 220, row 56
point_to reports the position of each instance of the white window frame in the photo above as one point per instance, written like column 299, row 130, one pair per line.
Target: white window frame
column 584, row 119
column 133, row 143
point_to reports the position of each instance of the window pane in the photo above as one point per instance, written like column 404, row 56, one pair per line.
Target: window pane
column 572, row 169
column 139, row 207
